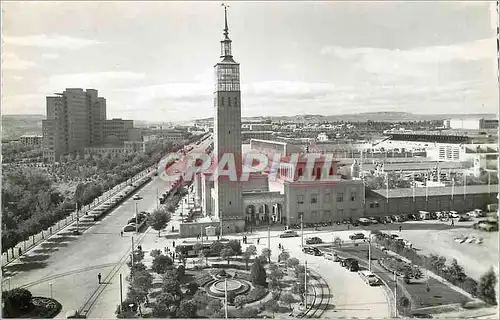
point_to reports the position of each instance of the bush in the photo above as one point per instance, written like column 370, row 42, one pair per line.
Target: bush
column 255, row 294
column 16, row 301
column 181, row 271
column 486, row 287
column 258, row 273
column 469, row 285
column 161, row 264
column 155, row 253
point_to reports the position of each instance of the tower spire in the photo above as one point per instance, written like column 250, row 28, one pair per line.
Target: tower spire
column 226, row 29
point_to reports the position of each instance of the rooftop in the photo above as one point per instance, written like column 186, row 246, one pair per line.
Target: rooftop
column 437, row 191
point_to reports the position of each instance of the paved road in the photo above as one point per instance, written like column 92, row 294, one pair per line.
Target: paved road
column 69, row 265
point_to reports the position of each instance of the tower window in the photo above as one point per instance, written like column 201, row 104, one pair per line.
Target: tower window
column 229, row 132
column 229, row 101
column 229, row 202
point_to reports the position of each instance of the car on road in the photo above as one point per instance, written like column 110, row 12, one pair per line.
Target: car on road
column 314, row 240
column 129, row 227
column 289, row 234
column 329, row 256
column 137, row 197
column 369, row 278
column 464, row 217
column 357, row 236
column 454, row 214
column 351, row 264
column 312, row 251
column 395, row 218
column 477, row 213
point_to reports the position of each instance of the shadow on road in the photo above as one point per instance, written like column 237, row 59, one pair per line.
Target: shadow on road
column 13, row 269
column 60, row 239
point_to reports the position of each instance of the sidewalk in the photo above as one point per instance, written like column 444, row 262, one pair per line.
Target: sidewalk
column 34, row 240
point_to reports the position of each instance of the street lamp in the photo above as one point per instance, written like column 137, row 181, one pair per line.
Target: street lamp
column 50, row 287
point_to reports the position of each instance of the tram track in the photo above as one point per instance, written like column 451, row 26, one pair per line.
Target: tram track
column 321, row 298
column 85, row 309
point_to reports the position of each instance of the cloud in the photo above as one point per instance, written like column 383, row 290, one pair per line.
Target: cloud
column 88, row 80
column 50, row 41
column 12, row 62
column 50, row 56
column 415, row 62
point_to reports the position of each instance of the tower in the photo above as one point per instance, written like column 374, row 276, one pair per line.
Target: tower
column 227, row 131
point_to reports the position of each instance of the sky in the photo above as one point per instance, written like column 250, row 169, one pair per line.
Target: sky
column 154, row 60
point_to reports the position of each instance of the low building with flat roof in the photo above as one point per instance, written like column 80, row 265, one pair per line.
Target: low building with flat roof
column 433, row 199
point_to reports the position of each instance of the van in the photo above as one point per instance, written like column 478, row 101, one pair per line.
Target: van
column 369, row 278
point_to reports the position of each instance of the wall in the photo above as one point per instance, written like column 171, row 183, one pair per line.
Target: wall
column 328, row 207
column 434, row 203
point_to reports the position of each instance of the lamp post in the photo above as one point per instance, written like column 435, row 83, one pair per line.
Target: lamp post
column 305, row 285
column 50, row 288
column 302, row 229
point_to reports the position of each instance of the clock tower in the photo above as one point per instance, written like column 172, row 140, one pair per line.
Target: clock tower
column 227, row 135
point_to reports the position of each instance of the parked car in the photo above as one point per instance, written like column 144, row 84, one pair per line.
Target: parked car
column 477, row 213
column 486, row 225
column 289, row 234
column 363, row 221
column 373, row 220
column 464, row 217
column 388, row 219
column 454, row 214
column 357, row 236
column 314, row 240
column 129, row 227
column 369, row 278
column 311, row 250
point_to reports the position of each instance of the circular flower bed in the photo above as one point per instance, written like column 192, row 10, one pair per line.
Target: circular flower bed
column 235, row 286
column 44, row 307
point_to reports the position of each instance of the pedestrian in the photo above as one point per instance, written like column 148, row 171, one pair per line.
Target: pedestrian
column 20, row 252
column 173, row 244
column 452, row 222
column 172, row 228
column 139, row 247
column 121, row 233
column 279, row 246
column 400, row 228
column 165, row 250
column 258, row 240
column 99, row 276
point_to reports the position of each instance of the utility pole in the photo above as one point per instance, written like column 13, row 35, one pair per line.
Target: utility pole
column 157, row 200
column 369, row 253
column 225, row 296
column 220, row 218
column 302, row 228
column 395, row 294
column 132, row 251
column 136, row 224
column 305, row 285
column 121, row 293
column 77, row 218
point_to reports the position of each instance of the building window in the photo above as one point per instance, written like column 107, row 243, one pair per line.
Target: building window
column 318, row 173
column 300, row 172
column 331, row 171
column 371, row 205
column 314, row 214
column 314, row 198
column 327, row 198
column 340, row 197
column 353, row 196
column 229, row 202
column 300, row 215
column 377, row 204
column 328, row 214
column 300, row 199
column 229, row 132
column 341, row 213
column 229, row 101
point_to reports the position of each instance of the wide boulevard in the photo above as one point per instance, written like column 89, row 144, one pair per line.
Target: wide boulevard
column 66, row 266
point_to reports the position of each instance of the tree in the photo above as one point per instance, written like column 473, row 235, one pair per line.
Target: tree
column 161, row 264
column 142, row 282
column 15, row 301
column 251, row 250
column 206, row 254
column 287, row 298
column 292, row 262
column 226, row 254
column 456, row 273
column 171, row 283
column 258, row 273
column 192, row 288
column 155, row 253
column 267, row 253
column 240, row 301
column 272, row 306
column 246, row 258
column 187, row 309
column 165, row 306
column 404, row 303
column 159, row 219
column 249, row 313
column 216, row 247
column 275, row 276
column 235, row 245
column 486, row 287
column 284, row 256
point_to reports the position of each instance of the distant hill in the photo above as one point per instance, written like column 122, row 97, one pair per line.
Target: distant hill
column 363, row 117
column 14, row 126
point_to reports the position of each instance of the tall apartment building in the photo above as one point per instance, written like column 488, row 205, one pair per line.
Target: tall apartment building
column 74, row 119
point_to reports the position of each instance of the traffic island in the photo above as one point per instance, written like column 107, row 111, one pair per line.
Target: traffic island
column 18, row 303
